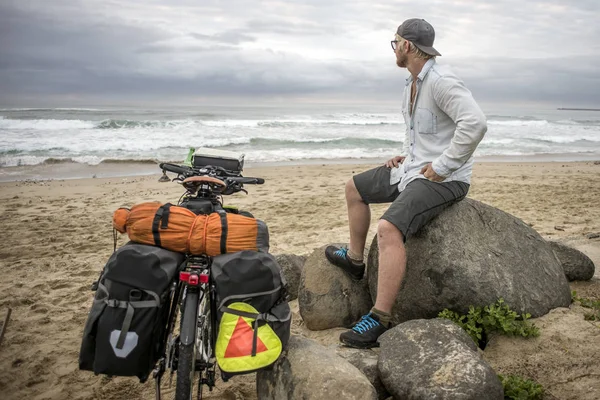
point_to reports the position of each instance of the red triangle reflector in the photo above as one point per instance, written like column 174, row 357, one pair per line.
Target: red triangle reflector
column 240, row 344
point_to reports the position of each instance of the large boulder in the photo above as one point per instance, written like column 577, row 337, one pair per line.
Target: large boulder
column 310, row 371
column 473, row 254
column 327, row 297
column 577, row 266
column 291, row 268
column 435, row 359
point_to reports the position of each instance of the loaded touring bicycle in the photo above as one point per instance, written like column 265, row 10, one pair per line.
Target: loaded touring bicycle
column 194, row 292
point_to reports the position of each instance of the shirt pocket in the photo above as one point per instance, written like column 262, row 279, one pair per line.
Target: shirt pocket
column 426, row 121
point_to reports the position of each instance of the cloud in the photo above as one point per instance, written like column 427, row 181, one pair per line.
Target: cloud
column 227, row 37
column 505, row 50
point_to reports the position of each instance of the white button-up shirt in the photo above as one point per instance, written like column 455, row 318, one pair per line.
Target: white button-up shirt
column 445, row 127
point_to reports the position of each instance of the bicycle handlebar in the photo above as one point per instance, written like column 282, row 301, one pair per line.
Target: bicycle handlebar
column 251, row 181
column 216, row 172
column 178, row 169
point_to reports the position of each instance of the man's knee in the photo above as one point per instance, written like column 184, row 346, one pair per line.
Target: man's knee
column 388, row 234
column 352, row 192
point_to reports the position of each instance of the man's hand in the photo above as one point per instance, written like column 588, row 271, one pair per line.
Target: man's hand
column 394, row 162
column 430, row 174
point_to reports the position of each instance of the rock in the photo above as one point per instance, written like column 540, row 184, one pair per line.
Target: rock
column 327, row 297
column 576, row 265
column 593, row 235
column 366, row 362
column 435, row 359
column 291, row 268
column 311, row 372
column 474, row 254
column 563, row 359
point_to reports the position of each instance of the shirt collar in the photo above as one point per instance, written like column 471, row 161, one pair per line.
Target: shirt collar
column 424, row 71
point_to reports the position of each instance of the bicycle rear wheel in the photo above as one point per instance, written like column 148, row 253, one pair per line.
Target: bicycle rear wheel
column 205, row 346
column 186, row 364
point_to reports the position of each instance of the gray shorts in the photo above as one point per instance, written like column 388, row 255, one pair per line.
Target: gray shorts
column 416, row 205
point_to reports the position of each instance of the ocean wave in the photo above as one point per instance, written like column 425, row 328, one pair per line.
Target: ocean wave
column 237, row 123
column 53, row 161
column 567, row 122
column 565, row 140
column 360, row 115
column 288, row 154
column 45, row 124
column 51, row 109
column 518, row 122
column 331, row 144
column 130, row 161
column 286, row 142
column 579, row 122
column 29, row 160
column 285, row 124
column 116, row 124
column 589, row 154
column 491, row 142
column 290, row 123
column 319, row 154
column 540, row 138
column 128, row 124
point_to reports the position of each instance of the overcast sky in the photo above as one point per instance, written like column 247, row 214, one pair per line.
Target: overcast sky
column 161, row 51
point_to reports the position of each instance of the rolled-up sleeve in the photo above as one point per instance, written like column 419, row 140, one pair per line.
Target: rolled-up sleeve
column 453, row 98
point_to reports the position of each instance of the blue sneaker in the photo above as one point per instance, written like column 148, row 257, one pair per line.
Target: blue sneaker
column 365, row 333
column 339, row 258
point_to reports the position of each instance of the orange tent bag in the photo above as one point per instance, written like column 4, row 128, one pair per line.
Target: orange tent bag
column 179, row 229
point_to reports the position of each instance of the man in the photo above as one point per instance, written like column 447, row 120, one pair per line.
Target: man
column 444, row 125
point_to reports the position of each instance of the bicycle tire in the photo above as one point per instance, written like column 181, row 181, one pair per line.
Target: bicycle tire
column 186, row 363
column 204, row 341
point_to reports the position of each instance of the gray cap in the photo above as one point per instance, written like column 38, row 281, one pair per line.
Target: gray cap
column 420, row 33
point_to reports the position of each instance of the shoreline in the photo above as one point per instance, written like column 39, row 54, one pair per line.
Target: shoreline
column 72, row 170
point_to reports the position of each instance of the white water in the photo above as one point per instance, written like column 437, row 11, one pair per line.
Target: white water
column 86, row 135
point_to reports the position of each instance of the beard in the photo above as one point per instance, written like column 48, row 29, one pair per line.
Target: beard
column 401, row 60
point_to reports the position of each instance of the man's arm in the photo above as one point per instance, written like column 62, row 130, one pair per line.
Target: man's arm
column 458, row 103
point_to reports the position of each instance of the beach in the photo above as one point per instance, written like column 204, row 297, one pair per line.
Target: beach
column 57, row 235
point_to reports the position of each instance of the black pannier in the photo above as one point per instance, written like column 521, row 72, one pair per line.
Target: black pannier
column 125, row 331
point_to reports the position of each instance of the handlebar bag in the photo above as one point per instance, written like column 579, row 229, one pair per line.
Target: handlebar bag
column 127, row 325
column 179, row 229
column 253, row 315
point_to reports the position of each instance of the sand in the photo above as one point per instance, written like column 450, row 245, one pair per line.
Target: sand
column 57, row 235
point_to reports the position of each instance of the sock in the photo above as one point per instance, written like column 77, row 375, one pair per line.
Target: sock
column 356, row 259
column 384, row 318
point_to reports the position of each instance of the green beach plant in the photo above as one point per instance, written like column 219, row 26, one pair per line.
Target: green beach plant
column 518, row 388
column 480, row 322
